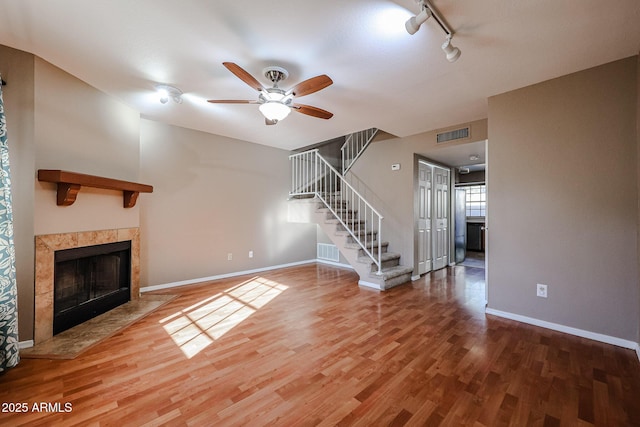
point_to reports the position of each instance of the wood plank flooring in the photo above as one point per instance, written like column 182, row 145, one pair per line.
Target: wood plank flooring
column 305, row 346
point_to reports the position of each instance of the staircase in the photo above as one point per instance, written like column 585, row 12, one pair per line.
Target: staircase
column 354, row 145
column 351, row 223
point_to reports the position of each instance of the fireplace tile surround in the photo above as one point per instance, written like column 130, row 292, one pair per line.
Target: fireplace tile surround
column 45, row 247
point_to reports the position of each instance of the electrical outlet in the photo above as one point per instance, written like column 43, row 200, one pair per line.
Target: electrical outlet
column 229, row 256
column 541, row 290
column 250, row 254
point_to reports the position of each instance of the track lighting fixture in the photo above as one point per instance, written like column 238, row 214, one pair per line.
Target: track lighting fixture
column 453, row 53
column 167, row 92
column 427, row 11
column 413, row 24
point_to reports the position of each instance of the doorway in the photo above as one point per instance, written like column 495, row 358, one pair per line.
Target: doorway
column 432, row 206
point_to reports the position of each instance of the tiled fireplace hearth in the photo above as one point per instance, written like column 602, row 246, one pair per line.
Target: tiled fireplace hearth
column 45, row 247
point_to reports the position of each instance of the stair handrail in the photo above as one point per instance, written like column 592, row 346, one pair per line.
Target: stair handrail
column 311, row 174
column 354, row 145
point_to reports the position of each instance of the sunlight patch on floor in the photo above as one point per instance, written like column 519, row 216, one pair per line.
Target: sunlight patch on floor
column 196, row 327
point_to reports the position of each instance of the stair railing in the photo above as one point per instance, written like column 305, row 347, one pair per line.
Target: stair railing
column 354, row 146
column 311, row 174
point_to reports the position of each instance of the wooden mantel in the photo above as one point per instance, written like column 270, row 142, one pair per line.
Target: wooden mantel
column 69, row 183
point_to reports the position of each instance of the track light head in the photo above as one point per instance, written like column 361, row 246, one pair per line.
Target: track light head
column 426, row 11
column 413, row 24
column 452, row 52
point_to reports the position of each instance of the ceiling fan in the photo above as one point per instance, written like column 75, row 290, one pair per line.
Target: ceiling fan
column 275, row 103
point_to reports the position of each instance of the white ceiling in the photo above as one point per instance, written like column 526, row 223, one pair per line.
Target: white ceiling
column 383, row 77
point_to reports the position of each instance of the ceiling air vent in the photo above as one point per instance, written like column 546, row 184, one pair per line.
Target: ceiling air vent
column 453, row 135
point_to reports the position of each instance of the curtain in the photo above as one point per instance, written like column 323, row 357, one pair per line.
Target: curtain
column 9, row 354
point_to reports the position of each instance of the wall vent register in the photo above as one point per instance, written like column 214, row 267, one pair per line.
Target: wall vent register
column 452, row 135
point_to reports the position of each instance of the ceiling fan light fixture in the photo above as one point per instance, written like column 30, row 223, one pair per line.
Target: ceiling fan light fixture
column 274, row 110
column 274, row 103
column 164, row 96
column 452, row 52
column 166, row 92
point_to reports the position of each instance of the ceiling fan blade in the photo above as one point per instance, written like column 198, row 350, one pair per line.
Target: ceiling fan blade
column 243, row 75
column 311, row 85
column 312, row 111
column 231, row 101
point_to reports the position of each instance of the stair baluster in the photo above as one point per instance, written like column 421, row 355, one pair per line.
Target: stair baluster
column 313, row 175
column 354, row 146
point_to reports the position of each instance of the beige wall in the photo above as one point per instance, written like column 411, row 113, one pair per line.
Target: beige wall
column 213, row 196
column 80, row 129
column 18, row 70
column 563, row 200
column 391, row 192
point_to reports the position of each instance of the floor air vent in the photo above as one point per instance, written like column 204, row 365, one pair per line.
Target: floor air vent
column 453, row 135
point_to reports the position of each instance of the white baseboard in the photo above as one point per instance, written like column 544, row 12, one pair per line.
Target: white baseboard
column 568, row 330
column 414, row 278
column 25, row 344
column 335, row 264
column 369, row 285
column 222, row 276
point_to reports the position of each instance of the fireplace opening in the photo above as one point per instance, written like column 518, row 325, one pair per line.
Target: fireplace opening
column 89, row 281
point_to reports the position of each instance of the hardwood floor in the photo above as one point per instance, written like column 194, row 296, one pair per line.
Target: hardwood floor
column 306, row 346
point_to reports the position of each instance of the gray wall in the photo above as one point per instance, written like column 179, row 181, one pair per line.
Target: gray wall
column 391, row 192
column 213, row 196
column 563, row 200
column 563, row 180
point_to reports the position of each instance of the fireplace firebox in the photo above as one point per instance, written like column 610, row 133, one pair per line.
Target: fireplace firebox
column 89, row 281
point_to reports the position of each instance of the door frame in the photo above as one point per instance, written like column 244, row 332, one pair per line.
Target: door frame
column 417, row 158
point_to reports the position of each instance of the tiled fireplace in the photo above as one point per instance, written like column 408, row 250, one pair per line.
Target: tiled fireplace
column 45, row 247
